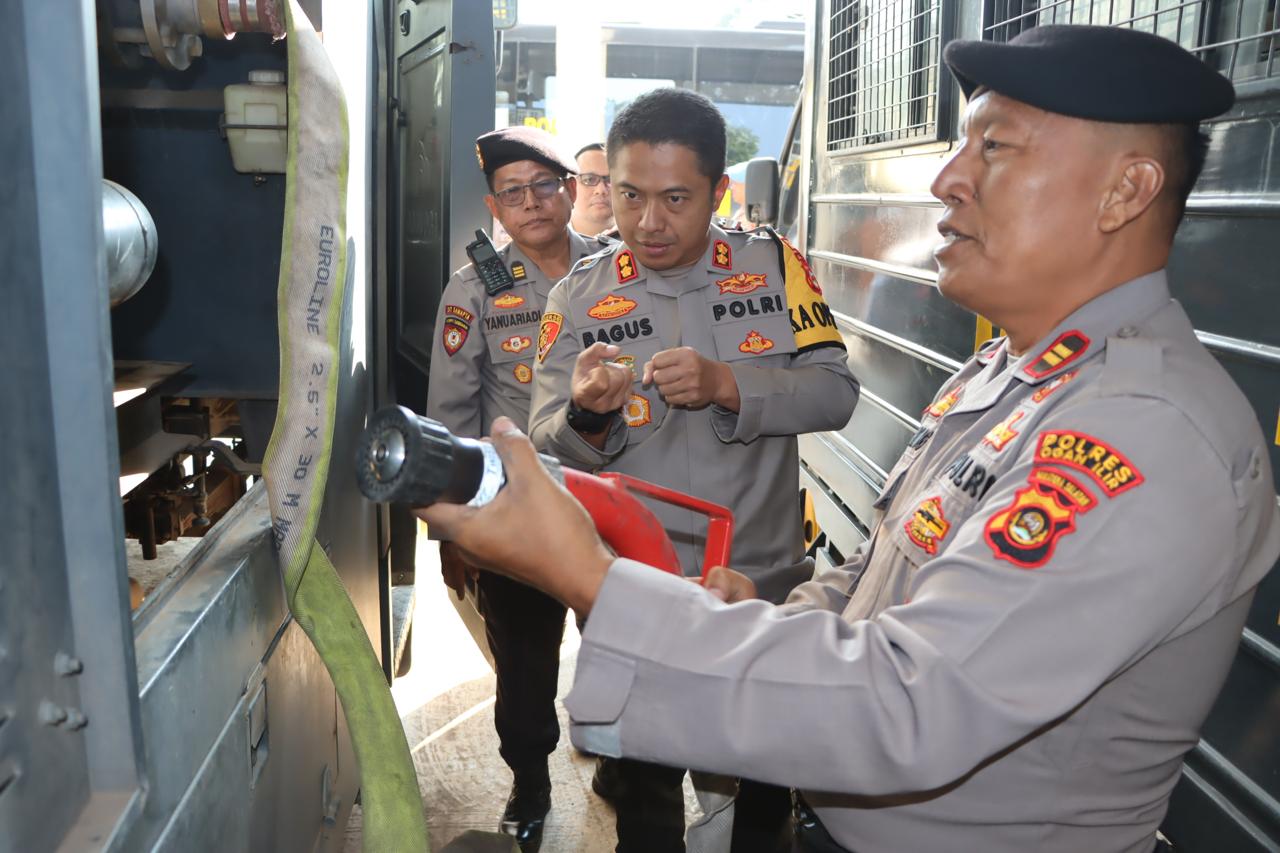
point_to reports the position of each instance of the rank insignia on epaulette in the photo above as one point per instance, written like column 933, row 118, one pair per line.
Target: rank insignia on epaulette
column 722, row 256
column 626, row 265
column 1067, row 348
column 517, row 270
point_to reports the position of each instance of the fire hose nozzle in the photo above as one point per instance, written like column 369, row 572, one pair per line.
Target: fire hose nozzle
column 406, row 459
column 403, row 458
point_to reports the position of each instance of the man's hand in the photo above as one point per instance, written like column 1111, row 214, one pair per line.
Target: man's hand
column 455, row 569
column 685, row 378
column 729, row 586
column 533, row 531
column 599, row 385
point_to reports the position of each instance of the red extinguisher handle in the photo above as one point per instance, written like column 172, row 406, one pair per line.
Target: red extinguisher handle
column 632, row 530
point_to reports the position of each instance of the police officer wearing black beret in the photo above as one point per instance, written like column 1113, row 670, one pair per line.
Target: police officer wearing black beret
column 1026, row 647
column 482, row 368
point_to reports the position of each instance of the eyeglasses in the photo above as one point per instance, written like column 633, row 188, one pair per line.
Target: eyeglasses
column 543, row 189
column 590, row 179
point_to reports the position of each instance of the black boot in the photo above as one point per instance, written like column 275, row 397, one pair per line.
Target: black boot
column 527, row 808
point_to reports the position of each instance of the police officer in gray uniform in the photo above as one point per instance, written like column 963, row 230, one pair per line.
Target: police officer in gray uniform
column 691, row 357
column 481, row 368
column 1028, row 644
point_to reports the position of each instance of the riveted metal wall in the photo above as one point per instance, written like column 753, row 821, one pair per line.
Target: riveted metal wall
column 70, row 746
column 868, row 223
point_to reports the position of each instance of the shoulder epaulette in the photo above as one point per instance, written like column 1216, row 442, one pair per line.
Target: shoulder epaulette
column 591, row 260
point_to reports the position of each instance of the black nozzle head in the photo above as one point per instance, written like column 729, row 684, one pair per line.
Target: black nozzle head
column 403, row 458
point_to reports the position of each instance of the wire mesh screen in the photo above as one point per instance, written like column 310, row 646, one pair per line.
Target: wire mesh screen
column 1237, row 37
column 883, row 72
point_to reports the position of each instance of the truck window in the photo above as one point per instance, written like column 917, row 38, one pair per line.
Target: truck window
column 883, row 74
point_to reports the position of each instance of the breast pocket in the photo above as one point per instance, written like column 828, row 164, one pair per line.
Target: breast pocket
column 751, row 326
column 511, row 326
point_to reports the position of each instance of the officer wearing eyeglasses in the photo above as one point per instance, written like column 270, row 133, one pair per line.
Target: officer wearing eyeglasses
column 593, row 208
column 482, row 367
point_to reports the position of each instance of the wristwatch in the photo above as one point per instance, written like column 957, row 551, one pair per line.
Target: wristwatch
column 585, row 421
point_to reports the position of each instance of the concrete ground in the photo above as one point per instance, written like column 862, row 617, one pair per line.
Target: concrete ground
column 446, row 704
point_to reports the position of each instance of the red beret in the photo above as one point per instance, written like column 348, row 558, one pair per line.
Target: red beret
column 497, row 148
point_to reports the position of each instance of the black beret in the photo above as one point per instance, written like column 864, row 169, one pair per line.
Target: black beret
column 497, row 148
column 1100, row 73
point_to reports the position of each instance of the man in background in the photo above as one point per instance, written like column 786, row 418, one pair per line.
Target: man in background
column 593, row 209
column 482, row 367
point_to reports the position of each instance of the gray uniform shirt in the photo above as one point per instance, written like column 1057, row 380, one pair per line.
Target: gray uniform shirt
column 482, row 357
column 750, row 302
column 1028, row 645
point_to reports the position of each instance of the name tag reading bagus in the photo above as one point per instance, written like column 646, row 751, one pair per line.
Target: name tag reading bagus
column 628, row 330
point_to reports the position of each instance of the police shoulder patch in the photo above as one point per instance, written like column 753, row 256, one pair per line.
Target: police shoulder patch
column 552, row 322
column 456, row 327
column 1027, row 531
column 1108, row 467
column 811, row 320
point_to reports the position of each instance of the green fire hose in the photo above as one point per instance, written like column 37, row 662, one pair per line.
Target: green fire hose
column 312, row 279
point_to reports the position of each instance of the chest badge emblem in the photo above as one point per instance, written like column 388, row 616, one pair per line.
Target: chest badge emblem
column 927, row 526
column 945, row 405
column 755, row 343
column 1003, row 433
column 612, row 307
column 743, row 282
column 508, row 301
column 516, row 343
column 524, row 374
column 636, row 411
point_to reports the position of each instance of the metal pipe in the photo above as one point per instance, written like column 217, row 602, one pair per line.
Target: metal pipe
column 129, row 234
